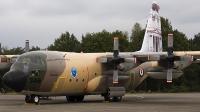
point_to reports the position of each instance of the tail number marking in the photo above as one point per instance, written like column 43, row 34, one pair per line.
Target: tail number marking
column 35, row 80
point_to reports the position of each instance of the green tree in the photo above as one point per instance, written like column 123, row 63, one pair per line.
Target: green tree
column 135, row 32
column 35, row 48
column 166, row 28
column 195, row 43
column 136, row 38
column 17, row 50
column 65, row 42
column 103, row 41
column 181, row 42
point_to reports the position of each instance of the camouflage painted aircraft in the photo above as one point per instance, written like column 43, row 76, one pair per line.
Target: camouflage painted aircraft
column 74, row 75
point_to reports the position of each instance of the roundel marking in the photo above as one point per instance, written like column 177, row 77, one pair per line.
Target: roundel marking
column 141, row 71
column 74, row 72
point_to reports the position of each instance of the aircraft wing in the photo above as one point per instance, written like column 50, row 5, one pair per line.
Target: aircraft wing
column 142, row 56
column 7, row 60
column 153, row 56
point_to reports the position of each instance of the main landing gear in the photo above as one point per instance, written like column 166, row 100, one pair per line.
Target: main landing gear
column 73, row 98
column 114, row 94
column 32, row 99
column 112, row 99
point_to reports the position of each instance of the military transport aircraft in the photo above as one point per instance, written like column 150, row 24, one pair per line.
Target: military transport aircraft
column 7, row 60
column 74, row 75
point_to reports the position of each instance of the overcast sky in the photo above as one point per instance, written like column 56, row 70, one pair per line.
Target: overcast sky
column 41, row 21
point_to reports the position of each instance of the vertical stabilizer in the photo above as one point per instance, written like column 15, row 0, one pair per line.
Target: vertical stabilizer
column 152, row 41
column 27, row 46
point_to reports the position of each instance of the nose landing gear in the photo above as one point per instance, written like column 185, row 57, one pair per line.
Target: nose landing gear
column 32, row 99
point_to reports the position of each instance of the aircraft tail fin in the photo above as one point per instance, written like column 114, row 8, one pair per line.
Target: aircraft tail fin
column 152, row 41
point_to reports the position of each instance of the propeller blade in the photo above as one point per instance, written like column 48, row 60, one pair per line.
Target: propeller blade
column 115, row 76
column 169, row 75
column 170, row 40
column 170, row 44
column 116, row 46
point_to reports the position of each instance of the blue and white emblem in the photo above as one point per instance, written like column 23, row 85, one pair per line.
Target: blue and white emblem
column 74, row 72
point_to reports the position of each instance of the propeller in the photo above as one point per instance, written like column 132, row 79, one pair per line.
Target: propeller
column 170, row 58
column 116, row 60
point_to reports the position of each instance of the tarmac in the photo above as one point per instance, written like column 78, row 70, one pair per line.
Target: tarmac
column 175, row 102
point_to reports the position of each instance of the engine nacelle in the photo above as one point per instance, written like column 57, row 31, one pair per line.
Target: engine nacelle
column 181, row 64
column 116, row 91
column 126, row 66
column 163, row 75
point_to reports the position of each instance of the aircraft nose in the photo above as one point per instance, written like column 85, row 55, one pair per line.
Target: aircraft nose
column 15, row 80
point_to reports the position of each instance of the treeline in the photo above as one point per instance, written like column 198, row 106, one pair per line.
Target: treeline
column 103, row 42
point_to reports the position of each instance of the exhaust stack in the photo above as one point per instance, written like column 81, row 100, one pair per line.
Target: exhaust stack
column 27, row 46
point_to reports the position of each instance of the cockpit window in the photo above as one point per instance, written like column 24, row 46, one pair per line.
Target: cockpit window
column 41, row 62
column 26, row 60
column 19, row 59
column 36, row 60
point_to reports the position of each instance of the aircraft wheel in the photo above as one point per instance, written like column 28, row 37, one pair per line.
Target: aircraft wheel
column 79, row 98
column 35, row 99
column 32, row 99
column 70, row 98
column 28, row 99
column 117, row 99
column 106, row 97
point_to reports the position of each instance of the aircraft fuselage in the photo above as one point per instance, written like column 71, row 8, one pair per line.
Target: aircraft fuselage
column 49, row 73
